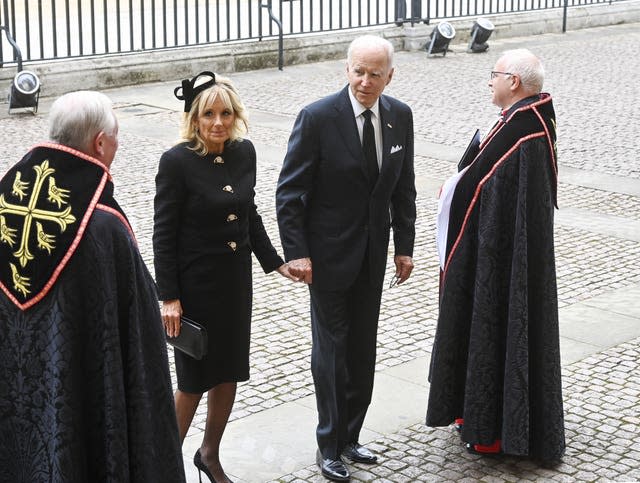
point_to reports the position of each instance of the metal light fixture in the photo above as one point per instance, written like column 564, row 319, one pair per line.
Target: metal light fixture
column 480, row 33
column 440, row 38
column 25, row 88
column 25, row 91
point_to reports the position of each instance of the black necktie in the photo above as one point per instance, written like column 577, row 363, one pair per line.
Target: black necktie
column 369, row 147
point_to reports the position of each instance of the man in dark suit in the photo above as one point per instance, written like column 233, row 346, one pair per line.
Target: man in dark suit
column 346, row 179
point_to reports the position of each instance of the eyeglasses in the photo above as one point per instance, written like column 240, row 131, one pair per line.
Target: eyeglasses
column 494, row 73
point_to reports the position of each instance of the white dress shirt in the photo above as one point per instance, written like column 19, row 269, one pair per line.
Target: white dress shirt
column 358, row 109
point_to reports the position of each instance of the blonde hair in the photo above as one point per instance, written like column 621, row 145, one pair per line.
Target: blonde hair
column 231, row 100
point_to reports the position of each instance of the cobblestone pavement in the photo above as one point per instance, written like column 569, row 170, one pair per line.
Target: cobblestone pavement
column 592, row 75
column 601, row 407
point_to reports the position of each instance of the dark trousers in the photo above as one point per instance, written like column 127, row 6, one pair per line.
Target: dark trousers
column 344, row 327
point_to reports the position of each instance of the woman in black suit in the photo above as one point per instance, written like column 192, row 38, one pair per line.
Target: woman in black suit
column 206, row 225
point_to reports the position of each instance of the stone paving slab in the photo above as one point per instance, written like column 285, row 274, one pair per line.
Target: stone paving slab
column 582, row 322
column 617, row 185
column 610, row 225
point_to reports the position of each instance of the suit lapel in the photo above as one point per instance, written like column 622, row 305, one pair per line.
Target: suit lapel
column 346, row 124
column 387, row 125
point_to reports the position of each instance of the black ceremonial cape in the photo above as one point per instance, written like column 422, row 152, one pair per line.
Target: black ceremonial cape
column 496, row 356
column 85, row 390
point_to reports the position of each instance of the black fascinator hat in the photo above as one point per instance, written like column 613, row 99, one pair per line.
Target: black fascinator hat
column 190, row 90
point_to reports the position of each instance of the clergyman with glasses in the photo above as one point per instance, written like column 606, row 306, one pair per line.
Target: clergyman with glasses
column 495, row 364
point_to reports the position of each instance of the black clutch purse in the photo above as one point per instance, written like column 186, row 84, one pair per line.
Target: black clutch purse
column 192, row 339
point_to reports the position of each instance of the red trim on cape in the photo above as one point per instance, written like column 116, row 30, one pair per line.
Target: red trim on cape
column 554, row 162
column 477, row 194
column 119, row 215
column 75, row 152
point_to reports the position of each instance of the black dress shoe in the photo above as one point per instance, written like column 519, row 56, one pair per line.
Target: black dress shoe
column 334, row 470
column 359, row 454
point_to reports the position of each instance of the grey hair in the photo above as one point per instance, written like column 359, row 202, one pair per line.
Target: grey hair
column 371, row 41
column 527, row 66
column 76, row 118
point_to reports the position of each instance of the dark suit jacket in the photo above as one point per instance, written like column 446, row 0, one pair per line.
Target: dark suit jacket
column 325, row 208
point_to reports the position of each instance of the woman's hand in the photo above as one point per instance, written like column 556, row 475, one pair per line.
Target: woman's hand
column 284, row 271
column 171, row 311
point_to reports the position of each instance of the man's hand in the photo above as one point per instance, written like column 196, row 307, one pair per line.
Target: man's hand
column 404, row 266
column 301, row 269
column 285, row 272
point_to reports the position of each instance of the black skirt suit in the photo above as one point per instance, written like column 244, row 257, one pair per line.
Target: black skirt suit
column 206, row 225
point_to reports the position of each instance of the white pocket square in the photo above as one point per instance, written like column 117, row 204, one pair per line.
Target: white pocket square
column 395, row 149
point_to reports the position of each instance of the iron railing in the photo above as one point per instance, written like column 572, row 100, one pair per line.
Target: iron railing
column 58, row 29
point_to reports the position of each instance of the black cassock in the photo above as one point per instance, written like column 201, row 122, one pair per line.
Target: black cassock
column 85, row 390
column 496, row 356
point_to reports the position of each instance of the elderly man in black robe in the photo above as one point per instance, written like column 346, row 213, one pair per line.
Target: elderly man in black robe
column 495, row 365
column 85, row 390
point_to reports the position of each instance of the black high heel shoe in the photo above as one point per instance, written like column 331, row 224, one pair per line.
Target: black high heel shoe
column 197, row 460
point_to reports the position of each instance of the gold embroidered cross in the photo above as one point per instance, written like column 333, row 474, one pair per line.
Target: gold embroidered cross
column 31, row 212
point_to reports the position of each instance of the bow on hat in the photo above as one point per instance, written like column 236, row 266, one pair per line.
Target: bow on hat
column 190, row 91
